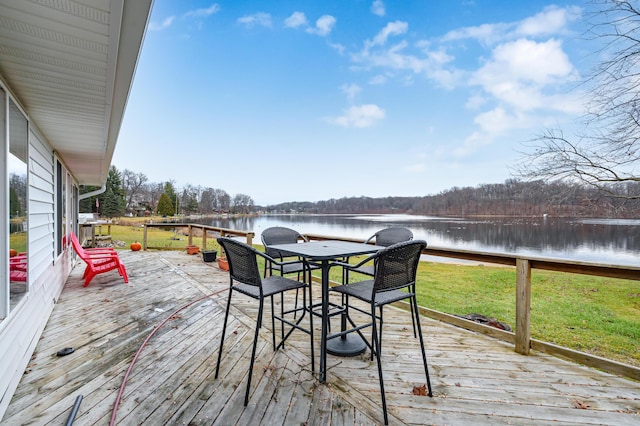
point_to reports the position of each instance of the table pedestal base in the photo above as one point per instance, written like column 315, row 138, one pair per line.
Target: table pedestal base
column 347, row 345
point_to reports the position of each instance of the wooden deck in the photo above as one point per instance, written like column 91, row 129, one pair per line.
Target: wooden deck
column 476, row 379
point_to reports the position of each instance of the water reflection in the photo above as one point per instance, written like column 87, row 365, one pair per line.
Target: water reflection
column 615, row 241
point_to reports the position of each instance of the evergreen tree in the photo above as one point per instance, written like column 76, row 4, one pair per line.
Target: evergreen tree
column 17, row 194
column 112, row 201
column 114, row 181
column 88, row 205
column 112, row 205
column 169, row 189
column 165, row 207
column 15, row 206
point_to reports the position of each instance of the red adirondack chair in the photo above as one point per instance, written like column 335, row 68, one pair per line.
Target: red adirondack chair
column 18, row 268
column 98, row 261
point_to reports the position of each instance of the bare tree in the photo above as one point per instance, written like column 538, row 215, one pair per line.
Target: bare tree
column 242, row 203
column 133, row 185
column 214, row 200
column 189, row 198
column 222, row 200
column 151, row 194
column 207, row 201
column 605, row 154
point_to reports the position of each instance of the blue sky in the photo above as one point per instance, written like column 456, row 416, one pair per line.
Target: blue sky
column 312, row 100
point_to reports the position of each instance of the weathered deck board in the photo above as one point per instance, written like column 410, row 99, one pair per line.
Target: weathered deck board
column 476, row 379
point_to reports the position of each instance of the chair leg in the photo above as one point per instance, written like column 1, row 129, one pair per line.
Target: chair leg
column 273, row 324
column 123, row 273
column 344, row 316
column 414, row 313
column 376, row 345
column 413, row 322
column 424, row 355
column 253, row 352
column 304, row 300
column 295, row 312
column 282, row 315
column 89, row 276
column 224, row 329
column 379, row 333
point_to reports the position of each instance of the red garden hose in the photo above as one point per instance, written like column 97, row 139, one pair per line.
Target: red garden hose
column 139, row 351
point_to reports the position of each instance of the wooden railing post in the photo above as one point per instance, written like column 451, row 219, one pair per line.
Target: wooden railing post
column 204, row 238
column 190, row 235
column 523, row 306
column 250, row 236
column 144, row 237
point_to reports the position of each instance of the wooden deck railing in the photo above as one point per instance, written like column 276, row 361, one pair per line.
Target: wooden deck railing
column 91, row 233
column 205, row 229
column 523, row 265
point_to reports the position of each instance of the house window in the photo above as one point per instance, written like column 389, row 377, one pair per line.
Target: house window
column 16, row 202
column 17, row 165
column 60, row 201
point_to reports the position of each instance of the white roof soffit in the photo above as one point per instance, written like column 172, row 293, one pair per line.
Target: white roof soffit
column 71, row 64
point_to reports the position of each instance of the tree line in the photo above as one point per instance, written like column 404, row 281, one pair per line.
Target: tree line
column 131, row 193
column 511, row 198
column 128, row 192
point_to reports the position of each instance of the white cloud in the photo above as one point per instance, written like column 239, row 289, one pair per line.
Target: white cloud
column 360, row 116
column 296, row 20
column 191, row 14
column 338, row 47
column 519, row 72
column 351, row 90
column 523, row 80
column 392, row 28
column 324, row 25
column 514, row 68
column 486, row 33
column 153, row 26
column 377, row 8
column 378, row 80
column 475, row 102
column 199, row 13
column 261, row 18
column 472, row 144
column 430, row 63
column 421, row 58
column 552, row 20
column 495, row 122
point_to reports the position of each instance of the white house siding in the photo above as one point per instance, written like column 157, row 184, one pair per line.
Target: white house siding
column 21, row 330
column 41, row 208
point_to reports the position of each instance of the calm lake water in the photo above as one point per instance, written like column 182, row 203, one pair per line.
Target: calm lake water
column 596, row 240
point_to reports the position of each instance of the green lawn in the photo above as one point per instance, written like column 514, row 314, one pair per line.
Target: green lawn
column 596, row 315
column 18, row 241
